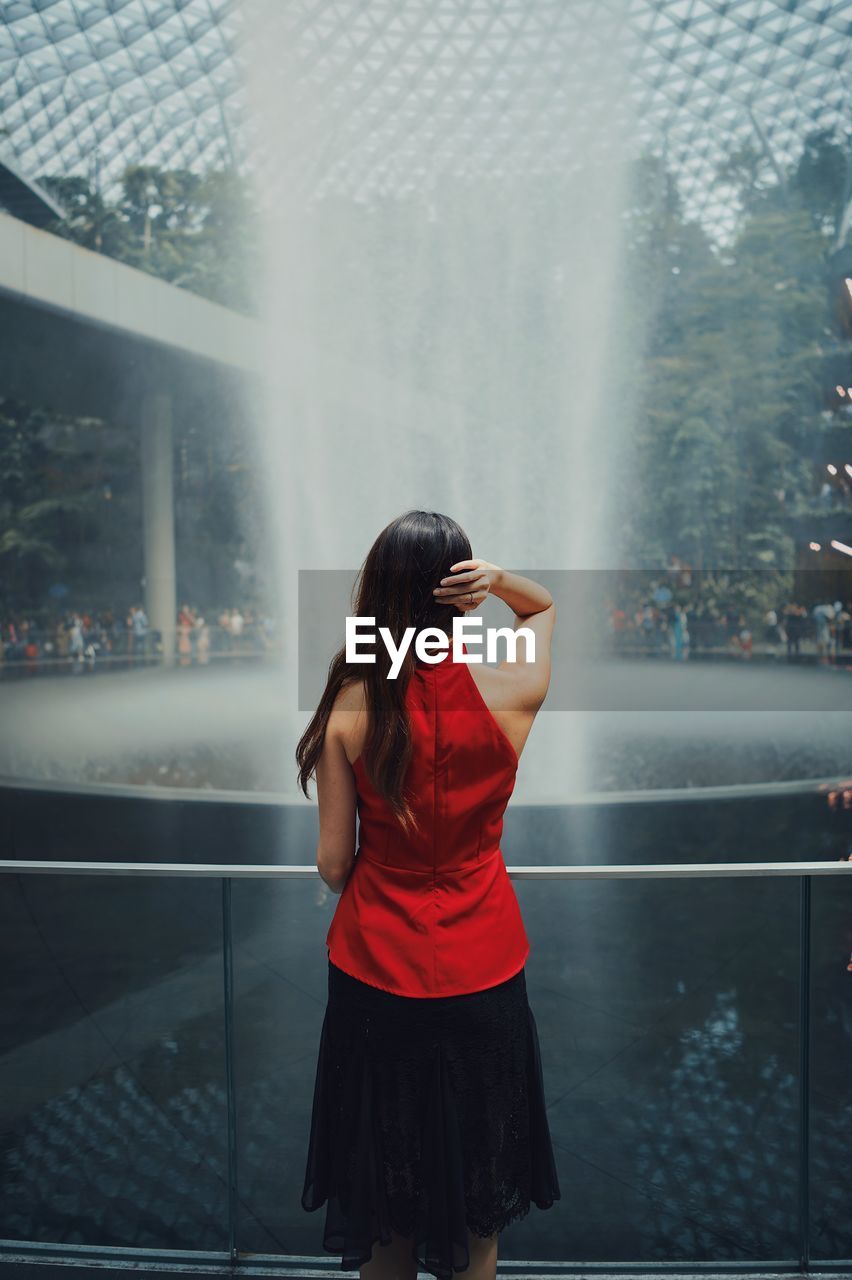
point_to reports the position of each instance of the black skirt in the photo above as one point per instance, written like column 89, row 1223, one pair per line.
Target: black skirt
column 428, row 1118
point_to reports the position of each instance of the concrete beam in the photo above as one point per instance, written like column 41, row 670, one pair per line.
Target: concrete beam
column 48, row 271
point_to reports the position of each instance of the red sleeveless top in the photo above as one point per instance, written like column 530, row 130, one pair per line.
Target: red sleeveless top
column 435, row 913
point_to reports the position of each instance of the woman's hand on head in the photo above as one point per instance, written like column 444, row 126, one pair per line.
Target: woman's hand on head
column 467, row 584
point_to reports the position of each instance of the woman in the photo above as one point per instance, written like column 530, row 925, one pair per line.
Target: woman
column 429, row 1132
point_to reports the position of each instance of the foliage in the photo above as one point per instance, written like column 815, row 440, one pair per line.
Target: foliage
column 729, row 374
column 194, row 230
column 63, row 482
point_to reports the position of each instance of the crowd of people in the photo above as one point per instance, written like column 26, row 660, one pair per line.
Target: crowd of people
column 78, row 638
column 663, row 626
column 650, row 622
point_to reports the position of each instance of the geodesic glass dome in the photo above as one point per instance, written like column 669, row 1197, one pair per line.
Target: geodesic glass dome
column 99, row 84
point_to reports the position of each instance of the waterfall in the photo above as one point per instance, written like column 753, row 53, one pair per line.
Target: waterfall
column 442, row 243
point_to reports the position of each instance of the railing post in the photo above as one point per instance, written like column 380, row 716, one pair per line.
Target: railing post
column 230, row 1090
column 804, row 1069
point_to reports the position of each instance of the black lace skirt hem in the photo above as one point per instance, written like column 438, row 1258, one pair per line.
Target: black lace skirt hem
column 428, row 1120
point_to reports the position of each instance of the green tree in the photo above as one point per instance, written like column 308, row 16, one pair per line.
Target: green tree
column 728, row 378
column 62, row 481
column 197, row 231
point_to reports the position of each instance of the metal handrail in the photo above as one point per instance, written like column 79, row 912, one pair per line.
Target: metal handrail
column 260, row 871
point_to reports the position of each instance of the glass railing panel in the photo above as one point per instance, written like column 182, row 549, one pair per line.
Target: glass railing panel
column 112, row 1101
column 667, row 1013
column 830, row 1074
column 280, row 981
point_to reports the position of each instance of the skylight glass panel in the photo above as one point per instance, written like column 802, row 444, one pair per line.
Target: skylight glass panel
column 458, row 80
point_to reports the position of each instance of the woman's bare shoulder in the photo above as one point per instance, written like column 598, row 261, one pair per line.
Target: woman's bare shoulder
column 508, row 705
column 506, row 688
column 351, row 696
column 347, row 720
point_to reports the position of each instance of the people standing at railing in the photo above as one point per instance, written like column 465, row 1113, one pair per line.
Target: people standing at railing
column 184, row 631
column 202, row 641
column 107, row 629
column 835, row 628
column 823, row 616
column 649, row 626
column 43, row 643
column 839, row 626
column 267, row 631
column 31, row 652
column 794, row 627
column 618, row 627
column 635, row 623
column 742, row 638
column 137, row 632
column 774, row 634
column 631, row 625
column 62, row 641
column 237, row 624
column 224, row 621
column 75, row 638
column 680, row 634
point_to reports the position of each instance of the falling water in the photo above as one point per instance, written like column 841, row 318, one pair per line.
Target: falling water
column 442, row 244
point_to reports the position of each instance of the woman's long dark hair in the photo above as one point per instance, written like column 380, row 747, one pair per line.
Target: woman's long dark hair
column 394, row 586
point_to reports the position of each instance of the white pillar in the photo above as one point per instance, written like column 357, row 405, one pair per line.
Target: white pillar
column 158, row 518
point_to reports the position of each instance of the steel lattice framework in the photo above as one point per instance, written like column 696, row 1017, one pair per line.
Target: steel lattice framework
column 405, row 85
